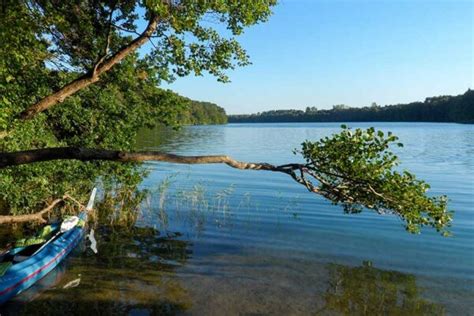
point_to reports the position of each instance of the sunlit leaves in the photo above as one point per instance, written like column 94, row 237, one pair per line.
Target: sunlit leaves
column 357, row 169
column 188, row 41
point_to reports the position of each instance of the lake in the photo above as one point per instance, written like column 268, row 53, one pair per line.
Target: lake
column 215, row 240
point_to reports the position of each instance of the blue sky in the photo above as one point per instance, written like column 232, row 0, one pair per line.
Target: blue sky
column 321, row 53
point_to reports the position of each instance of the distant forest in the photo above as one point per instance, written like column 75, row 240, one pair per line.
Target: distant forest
column 458, row 108
column 202, row 113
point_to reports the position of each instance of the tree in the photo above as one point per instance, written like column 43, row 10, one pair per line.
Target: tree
column 339, row 107
column 107, row 91
column 88, row 62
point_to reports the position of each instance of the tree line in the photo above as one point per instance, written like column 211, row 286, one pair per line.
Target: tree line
column 458, row 109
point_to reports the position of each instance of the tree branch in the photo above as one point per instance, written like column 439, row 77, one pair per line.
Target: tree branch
column 107, row 43
column 38, row 216
column 92, row 76
column 87, row 154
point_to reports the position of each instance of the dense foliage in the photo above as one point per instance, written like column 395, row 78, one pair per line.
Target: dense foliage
column 436, row 109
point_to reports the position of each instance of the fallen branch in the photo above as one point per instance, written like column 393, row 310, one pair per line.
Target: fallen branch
column 36, row 217
column 86, row 154
column 81, row 206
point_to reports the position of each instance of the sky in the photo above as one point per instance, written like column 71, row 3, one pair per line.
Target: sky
column 321, row 53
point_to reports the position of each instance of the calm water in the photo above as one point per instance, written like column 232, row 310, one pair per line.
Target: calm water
column 214, row 240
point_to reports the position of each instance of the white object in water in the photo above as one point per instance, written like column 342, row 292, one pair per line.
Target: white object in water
column 93, row 241
column 73, row 283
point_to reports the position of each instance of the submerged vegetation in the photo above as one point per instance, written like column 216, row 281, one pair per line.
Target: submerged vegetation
column 458, row 109
column 366, row 290
column 136, row 267
column 139, row 262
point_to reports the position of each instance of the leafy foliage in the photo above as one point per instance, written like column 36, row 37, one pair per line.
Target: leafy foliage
column 185, row 42
column 355, row 168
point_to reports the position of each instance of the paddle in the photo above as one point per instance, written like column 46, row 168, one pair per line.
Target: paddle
column 90, row 204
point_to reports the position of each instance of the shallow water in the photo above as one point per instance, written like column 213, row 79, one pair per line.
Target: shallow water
column 214, row 240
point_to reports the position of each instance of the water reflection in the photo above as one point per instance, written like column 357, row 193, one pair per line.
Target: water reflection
column 132, row 273
column 196, row 138
column 365, row 290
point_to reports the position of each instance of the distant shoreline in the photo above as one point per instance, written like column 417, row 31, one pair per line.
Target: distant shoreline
column 342, row 122
column 441, row 109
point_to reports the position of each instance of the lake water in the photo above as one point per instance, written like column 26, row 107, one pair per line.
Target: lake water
column 215, row 240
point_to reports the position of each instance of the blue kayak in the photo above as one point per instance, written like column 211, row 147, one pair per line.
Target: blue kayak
column 22, row 275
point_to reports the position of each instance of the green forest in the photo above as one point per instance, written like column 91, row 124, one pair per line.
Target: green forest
column 202, row 113
column 458, row 109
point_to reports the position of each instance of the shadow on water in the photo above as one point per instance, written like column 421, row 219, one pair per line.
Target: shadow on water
column 168, row 139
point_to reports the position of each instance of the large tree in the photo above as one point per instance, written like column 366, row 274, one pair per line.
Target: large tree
column 75, row 89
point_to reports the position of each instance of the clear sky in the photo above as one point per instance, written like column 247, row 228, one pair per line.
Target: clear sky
column 321, row 53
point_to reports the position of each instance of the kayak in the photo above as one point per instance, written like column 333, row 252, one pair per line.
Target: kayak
column 41, row 259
